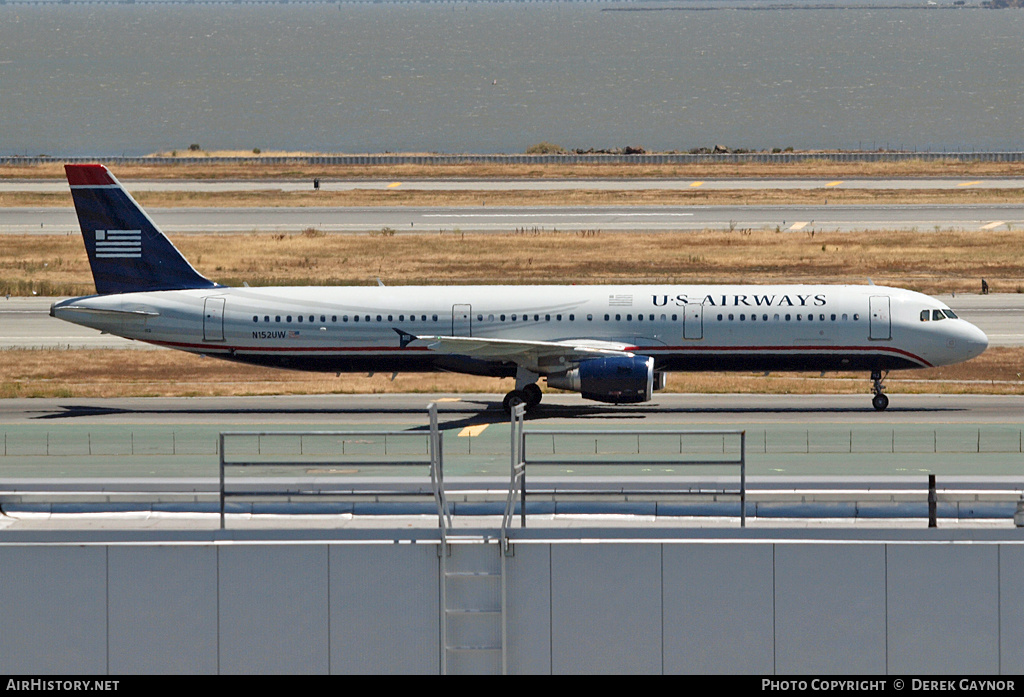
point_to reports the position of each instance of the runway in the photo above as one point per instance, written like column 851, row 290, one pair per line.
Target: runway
column 831, row 218
column 27, row 324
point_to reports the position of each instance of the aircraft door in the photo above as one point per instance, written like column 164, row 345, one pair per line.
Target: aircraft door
column 880, row 320
column 462, row 320
column 213, row 319
column 693, row 321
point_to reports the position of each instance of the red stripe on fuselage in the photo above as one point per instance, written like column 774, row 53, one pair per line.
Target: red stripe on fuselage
column 645, row 350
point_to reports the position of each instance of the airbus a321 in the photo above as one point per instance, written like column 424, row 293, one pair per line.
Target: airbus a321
column 609, row 343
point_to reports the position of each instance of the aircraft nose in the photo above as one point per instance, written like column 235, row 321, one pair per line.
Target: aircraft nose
column 975, row 342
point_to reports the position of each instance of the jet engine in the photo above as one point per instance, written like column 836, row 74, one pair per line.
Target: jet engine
column 618, row 379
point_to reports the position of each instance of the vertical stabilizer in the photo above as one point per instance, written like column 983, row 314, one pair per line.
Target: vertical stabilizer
column 127, row 252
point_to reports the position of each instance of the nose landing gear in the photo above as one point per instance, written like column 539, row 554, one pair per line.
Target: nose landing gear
column 879, row 401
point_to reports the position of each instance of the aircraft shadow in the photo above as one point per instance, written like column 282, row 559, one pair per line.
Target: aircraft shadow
column 480, row 412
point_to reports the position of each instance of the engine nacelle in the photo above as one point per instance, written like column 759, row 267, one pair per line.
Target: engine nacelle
column 619, row 380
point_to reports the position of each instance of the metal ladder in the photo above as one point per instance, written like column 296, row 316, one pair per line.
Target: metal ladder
column 473, row 623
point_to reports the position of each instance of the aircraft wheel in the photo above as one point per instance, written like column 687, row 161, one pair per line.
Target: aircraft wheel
column 880, row 402
column 512, row 399
column 533, row 395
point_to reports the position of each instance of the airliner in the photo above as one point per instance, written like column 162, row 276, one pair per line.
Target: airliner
column 612, row 344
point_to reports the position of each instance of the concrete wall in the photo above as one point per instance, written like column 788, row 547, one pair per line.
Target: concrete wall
column 795, row 606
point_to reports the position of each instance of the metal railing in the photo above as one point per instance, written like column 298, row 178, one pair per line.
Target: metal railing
column 364, row 456
column 704, row 454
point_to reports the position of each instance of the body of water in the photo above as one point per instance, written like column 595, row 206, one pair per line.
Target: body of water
column 499, row 77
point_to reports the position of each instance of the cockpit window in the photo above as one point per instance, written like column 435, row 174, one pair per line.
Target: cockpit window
column 950, row 314
column 926, row 315
column 937, row 315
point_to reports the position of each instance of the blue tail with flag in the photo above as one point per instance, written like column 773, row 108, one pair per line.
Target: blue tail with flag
column 127, row 252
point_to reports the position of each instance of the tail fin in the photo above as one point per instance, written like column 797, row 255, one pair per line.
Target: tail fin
column 127, row 252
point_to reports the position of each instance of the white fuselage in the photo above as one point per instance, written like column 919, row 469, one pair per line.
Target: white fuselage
column 694, row 327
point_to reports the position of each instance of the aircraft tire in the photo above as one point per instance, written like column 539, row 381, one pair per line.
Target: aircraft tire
column 880, row 402
column 533, row 395
column 512, row 399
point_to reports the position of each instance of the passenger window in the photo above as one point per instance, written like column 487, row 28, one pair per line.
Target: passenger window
column 787, row 317
column 324, row 319
column 590, row 318
column 355, row 318
column 278, row 318
column 558, row 318
column 334, row 318
column 300, row 319
column 720, row 318
column 856, row 317
column 833, row 318
column 255, row 318
column 490, row 318
column 618, row 318
column 502, row 318
column 513, row 318
column 663, row 318
column 289, row 318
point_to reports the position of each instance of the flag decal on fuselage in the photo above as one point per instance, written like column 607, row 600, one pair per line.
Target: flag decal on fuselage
column 119, row 244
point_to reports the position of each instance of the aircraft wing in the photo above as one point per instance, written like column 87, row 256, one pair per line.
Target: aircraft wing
column 541, row 357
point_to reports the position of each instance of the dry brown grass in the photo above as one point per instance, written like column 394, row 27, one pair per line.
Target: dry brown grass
column 101, row 373
column 929, row 261
column 803, row 169
column 575, row 197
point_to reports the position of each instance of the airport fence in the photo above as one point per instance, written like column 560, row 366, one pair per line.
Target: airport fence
column 550, row 159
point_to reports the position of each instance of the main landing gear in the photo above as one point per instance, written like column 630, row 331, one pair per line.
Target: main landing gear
column 879, row 401
column 530, row 395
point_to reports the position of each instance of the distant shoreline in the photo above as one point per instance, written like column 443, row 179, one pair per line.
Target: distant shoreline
column 762, row 8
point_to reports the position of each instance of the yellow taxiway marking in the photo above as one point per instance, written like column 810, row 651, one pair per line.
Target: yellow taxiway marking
column 696, row 183
column 798, row 226
column 449, row 399
column 992, row 225
column 472, row 430
column 834, row 183
column 968, row 183
column 394, row 184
